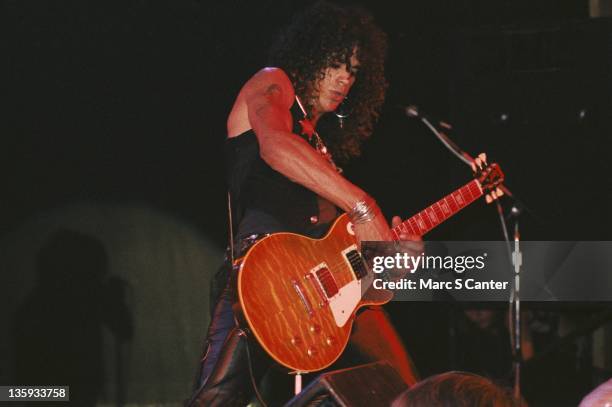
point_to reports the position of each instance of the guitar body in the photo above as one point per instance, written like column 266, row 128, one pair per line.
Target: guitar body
column 299, row 295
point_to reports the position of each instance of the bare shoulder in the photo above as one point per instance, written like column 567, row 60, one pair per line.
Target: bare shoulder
column 269, row 86
column 270, row 82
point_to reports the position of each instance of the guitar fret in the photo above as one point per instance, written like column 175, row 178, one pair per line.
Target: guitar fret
column 415, row 226
column 463, row 192
column 439, row 212
column 470, row 192
column 426, row 222
column 479, row 188
column 458, row 199
column 475, row 190
column 473, row 193
column 425, row 219
column 395, row 234
column 450, row 201
column 431, row 215
column 446, row 210
column 412, row 229
column 398, row 230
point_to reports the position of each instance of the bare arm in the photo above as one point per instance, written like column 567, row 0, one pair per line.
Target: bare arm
column 269, row 96
column 268, row 109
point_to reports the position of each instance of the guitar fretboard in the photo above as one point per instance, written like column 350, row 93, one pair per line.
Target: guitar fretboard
column 437, row 213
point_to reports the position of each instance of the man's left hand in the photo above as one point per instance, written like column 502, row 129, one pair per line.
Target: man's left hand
column 411, row 244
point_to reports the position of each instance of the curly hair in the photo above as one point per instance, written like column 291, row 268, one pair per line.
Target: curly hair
column 326, row 35
column 457, row 389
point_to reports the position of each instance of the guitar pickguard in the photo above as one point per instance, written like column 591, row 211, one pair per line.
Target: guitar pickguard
column 344, row 303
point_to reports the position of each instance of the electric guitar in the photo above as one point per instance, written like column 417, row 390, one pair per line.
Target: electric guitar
column 299, row 295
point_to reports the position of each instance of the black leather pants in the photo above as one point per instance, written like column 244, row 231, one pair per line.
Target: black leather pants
column 225, row 377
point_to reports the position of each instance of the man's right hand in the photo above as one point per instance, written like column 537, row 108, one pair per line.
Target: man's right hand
column 375, row 230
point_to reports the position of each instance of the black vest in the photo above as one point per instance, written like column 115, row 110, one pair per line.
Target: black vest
column 263, row 200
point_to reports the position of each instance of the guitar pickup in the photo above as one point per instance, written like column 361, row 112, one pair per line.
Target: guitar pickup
column 355, row 261
column 324, row 282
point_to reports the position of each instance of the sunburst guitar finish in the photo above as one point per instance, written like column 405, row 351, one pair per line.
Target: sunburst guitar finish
column 299, row 295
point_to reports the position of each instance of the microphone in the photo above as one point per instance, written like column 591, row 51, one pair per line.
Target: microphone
column 413, row 112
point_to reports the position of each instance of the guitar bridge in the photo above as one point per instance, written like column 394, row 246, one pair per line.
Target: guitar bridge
column 298, row 289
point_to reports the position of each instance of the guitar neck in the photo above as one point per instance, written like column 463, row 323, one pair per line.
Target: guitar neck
column 440, row 211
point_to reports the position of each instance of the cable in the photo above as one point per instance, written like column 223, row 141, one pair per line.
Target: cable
column 243, row 334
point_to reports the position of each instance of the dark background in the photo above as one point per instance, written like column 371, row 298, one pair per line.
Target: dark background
column 109, row 102
column 124, row 103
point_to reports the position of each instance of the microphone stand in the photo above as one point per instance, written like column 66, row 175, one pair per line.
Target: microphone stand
column 515, row 303
column 515, row 257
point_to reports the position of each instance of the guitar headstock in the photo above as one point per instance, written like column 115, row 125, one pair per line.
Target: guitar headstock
column 490, row 177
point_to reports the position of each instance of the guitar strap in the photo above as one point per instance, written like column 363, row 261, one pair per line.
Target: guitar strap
column 231, row 226
column 238, row 332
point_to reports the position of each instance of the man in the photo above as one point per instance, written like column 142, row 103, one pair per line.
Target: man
column 282, row 176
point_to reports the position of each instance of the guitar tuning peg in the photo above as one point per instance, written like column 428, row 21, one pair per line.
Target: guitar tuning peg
column 499, row 191
column 488, row 198
column 483, row 157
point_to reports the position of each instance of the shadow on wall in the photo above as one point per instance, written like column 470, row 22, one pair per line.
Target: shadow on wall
column 58, row 329
column 109, row 299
